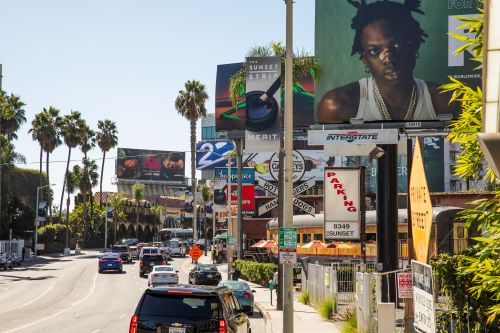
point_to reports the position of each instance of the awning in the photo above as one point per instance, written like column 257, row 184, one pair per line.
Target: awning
column 221, row 236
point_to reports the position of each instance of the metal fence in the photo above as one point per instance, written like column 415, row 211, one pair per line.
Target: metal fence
column 321, row 283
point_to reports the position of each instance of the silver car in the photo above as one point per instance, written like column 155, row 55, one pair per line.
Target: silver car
column 177, row 247
column 164, row 274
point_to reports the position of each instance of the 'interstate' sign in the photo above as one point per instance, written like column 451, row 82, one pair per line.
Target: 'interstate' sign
column 353, row 137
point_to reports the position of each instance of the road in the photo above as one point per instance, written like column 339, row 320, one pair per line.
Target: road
column 67, row 294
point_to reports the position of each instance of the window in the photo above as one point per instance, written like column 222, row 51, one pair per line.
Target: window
column 178, row 306
column 318, row 237
column 453, row 185
column 453, row 156
column 460, row 232
column 298, row 238
column 306, row 238
column 403, row 235
column 433, row 231
column 452, row 170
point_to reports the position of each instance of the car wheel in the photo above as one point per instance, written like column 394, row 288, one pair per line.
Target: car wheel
column 120, row 270
column 100, row 271
column 141, row 274
column 19, row 264
column 250, row 313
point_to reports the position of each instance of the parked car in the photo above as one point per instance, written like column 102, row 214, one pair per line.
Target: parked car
column 124, row 251
column 190, row 309
column 16, row 259
column 176, row 247
column 204, row 274
column 165, row 274
column 5, row 261
column 149, row 250
column 135, row 252
column 148, row 261
column 243, row 292
column 110, row 262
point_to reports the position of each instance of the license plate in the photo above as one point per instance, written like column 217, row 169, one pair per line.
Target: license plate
column 110, row 264
column 210, row 276
column 176, row 330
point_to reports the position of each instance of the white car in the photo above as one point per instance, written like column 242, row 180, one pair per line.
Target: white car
column 177, row 247
column 164, row 274
column 149, row 250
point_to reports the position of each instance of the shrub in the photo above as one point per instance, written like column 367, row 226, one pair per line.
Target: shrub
column 325, row 309
column 47, row 234
column 255, row 272
column 304, row 298
column 91, row 244
column 53, row 247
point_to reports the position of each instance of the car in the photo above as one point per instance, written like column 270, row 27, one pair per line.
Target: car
column 158, row 244
column 204, row 274
column 201, row 244
column 148, row 261
column 243, row 292
column 148, row 250
column 187, row 246
column 165, row 274
column 110, row 262
column 124, row 251
column 176, row 247
column 187, row 309
column 135, row 252
column 168, row 253
column 16, row 259
column 165, row 252
column 5, row 261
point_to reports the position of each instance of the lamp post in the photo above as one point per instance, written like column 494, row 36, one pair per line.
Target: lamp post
column 38, row 188
column 195, row 209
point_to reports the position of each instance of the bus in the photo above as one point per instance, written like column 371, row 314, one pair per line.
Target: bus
column 167, row 234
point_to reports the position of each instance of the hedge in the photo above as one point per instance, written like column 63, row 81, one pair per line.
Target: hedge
column 255, row 272
column 53, row 247
column 92, row 244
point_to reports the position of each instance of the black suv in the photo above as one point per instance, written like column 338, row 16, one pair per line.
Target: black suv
column 189, row 309
column 150, row 260
column 124, row 251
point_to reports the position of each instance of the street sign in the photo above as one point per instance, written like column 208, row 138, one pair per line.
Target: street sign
column 299, row 166
column 268, row 206
column 296, row 202
column 230, row 240
column 304, row 206
column 288, row 246
column 421, row 207
column 195, row 252
column 264, row 184
column 311, row 182
column 405, row 285
column 423, row 299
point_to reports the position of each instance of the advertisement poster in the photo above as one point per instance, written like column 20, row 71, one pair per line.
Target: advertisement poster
column 248, row 175
column 142, row 164
column 220, row 194
column 211, row 159
column 189, row 205
column 371, row 49
column 314, row 159
column 263, row 104
column 109, row 214
column 405, row 285
column 210, row 208
column 230, row 118
column 248, row 197
column 42, row 209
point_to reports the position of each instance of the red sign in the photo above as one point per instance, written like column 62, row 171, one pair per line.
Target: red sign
column 195, row 252
column 248, row 199
column 405, row 285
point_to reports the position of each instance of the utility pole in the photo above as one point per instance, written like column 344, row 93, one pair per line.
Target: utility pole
column 239, row 153
column 288, row 190
column 229, row 218
column 409, row 310
column 281, row 212
column 106, row 225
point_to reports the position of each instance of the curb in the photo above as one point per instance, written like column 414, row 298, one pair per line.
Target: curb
column 265, row 316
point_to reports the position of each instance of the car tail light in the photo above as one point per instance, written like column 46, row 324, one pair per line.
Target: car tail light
column 154, row 275
column 163, row 263
column 173, row 275
column 247, row 295
column 222, row 326
column 102, row 260
column 116, row 259
column 180, row 292
column 133, row 325
column 141, row 263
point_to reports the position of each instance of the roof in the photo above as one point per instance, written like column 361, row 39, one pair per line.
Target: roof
column 186, row 288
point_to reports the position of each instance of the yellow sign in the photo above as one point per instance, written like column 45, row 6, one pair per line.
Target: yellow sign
column 421, row 207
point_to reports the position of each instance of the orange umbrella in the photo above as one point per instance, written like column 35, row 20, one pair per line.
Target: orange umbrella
column 258, row 243
column 268, row 243
column 333, row 245
column 314, row 244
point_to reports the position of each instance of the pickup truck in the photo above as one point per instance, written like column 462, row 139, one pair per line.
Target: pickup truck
column 124, row 251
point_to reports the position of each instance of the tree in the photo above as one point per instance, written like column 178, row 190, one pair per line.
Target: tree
column 10, row 126
column 7, row 112
column 206, row 195
column 106, row 139
column 155, row 213
column 87, row 178
column 87, row 143
column 191, row 105
column 46, row 131
column 71, row 181
column 70, row 132
column 117, row 201
column 138, row 194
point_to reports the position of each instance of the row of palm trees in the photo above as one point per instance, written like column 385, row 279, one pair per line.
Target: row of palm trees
column 51, row 130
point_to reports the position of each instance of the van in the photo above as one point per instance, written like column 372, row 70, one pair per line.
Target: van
column 177, row 247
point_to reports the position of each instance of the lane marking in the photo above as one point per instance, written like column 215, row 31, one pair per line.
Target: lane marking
column 27, row 303
column 137, row 282
column 123, row 315
column 6, row 288
column 57, row 314
column 75, row 266
column 97, row 330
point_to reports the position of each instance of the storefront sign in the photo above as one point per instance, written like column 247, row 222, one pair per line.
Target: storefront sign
column 299, row 166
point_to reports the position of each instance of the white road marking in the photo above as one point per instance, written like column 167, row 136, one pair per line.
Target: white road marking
column 137, row 282
column 140, row 289
column 134, row 277
column 123, row 315
column 16, row 282
column 97, row 330
column 6, row 288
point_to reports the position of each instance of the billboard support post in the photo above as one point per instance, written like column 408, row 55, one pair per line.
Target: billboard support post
column 387, row 218
column 288, row 177
column 229, row 218
column 362, row 208
column 195, row 210
column 239, row 153
column 106, row 225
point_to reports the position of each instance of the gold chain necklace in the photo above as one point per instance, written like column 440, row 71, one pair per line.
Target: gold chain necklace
column 382, row 108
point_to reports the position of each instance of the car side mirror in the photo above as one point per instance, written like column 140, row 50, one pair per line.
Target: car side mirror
column 253, row 291
column 177, row 271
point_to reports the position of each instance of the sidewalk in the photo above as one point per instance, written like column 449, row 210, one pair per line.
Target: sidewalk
column 305, row 318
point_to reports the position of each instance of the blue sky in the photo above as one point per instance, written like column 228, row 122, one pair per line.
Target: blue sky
column 126, row 61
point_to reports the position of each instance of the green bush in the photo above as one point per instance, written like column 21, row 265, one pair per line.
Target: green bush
column 53, row 247
column 91, row 244
column 255, row 272
column 47, row 234
column 325, row 309
column 60, row 232
column 304, row 298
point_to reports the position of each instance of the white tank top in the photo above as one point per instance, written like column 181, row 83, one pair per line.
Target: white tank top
column 367, row 110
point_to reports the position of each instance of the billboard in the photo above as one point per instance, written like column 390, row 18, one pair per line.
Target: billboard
column 42, row 209
column 315, row 163
column 248, row 175
column 189, row 205
column 248, row 197
column 210, row 208
column 220, row 194
column 385, row 60
column 233, row 118
column 210, row 159
column 142, row 164
column 263, row 104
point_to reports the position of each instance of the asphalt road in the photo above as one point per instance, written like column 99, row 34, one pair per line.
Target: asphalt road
column 67, row 294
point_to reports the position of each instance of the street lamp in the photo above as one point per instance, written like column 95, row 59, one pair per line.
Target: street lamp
column 195, row 214
column 36, row 220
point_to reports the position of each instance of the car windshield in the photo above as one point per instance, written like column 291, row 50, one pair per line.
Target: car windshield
column 164, row 269
column 119, row 248
column 173, row 244
column 3, row 256
column 209, row 269
column 109, row 256
column 152, row 258
column 180, row 306
column 235, row 285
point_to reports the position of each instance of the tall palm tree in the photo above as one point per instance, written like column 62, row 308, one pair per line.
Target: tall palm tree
column 191, row 105
column 155, row 212
column 117, row 201
column 7, row 112
column 71, row 182
column 10, row 126
column 87, row 143
column 87, row 178
column 38, row 129
column 138, row 194
column 106, row 139
column 70, row 132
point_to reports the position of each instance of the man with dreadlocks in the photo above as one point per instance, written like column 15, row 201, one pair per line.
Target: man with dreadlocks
column 387, row 39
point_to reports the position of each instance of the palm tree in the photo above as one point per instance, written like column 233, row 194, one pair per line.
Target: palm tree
column 106, row 139
column 87, row 178
column 70, row 131
column 87, row 143
column 138, row 194
column 117, row 201
column 71, row 182
column 191, row 105
column 155, row 212
column 10, row 126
